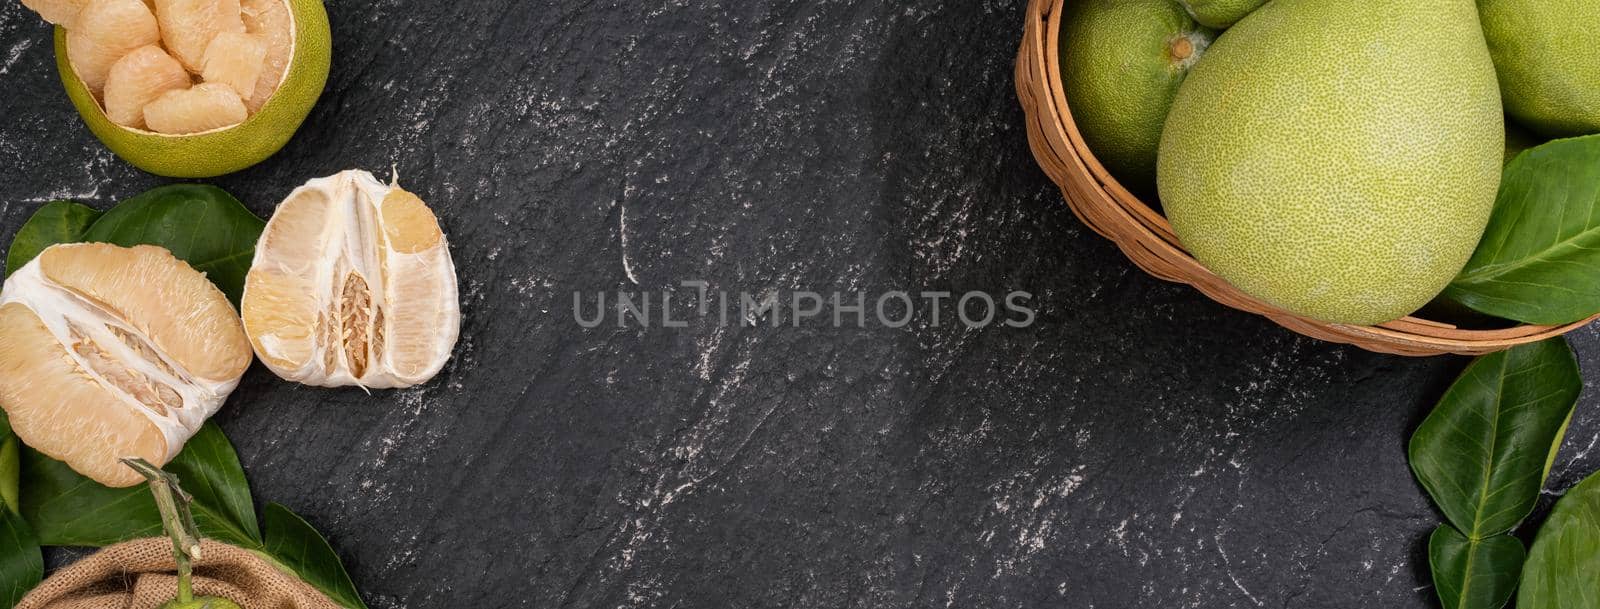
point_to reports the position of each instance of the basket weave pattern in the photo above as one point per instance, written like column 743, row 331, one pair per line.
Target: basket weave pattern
column 1147, row 239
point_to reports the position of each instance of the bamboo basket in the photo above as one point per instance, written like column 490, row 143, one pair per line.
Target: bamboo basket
column 1146, row 238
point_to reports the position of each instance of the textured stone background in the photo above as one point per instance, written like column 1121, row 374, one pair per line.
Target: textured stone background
column 1138, row 446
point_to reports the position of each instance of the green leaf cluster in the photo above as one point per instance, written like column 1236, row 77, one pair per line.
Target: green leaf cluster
column 1483, row 455
column 208, row 228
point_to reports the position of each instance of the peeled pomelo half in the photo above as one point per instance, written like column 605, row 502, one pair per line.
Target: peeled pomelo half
column 352, row 284
column 109, row 352
column 287, row 55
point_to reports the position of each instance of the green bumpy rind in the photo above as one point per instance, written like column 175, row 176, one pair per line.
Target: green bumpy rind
column 1220, row 14
column 1548, row 56
column 1120, row 76
column 1337, row 159
column 222, row 152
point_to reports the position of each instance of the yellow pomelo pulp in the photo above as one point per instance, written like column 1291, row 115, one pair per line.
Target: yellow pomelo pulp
column 352, row 284
column 225, row 150
column 109, row 352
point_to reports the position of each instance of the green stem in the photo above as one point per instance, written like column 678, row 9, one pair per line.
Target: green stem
column 176, row 519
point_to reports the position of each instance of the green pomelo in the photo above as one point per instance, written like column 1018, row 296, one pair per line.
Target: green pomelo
column 1121, row 64
column 1338, row 159
column 1220, row 14
column 1548, row 55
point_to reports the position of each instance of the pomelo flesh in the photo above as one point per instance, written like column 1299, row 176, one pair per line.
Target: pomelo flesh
column 204, row 107
column 139, row 78
column 235, row 59
column 105, row 31
column 188, row 26
column 60, row 12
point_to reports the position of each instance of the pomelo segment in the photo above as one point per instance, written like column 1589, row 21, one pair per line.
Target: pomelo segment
column 205, row 107
column 60, row 12
column 352, row 284
column 408, row 223
column 270, row 21
column 138, row 79
column 189, row 25
column 235, row 59
column 109, row 352
column 105, row 31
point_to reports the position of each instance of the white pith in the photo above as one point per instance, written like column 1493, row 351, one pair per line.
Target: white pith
column 353, row 238
column 59, row 308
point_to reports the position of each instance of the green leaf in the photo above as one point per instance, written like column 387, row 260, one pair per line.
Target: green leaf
column 1474, row 574
column 1539, row 260
column 54, row 222
column 292, row 542
column 209, row 470
column 10, row 469
column 202, row 225
column 1562, row 567
column 1481, row 454
column 21, row 562
column 67, row 509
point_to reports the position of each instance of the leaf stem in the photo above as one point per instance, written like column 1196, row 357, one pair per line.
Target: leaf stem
column 176, row 519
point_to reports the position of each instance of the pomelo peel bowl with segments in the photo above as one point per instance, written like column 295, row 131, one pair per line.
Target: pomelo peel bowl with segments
column 254, row 68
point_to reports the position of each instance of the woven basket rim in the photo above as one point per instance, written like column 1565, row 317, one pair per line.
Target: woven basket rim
column 1148, row 240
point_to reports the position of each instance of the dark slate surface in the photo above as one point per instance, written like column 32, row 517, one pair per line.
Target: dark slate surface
column 1138, row 446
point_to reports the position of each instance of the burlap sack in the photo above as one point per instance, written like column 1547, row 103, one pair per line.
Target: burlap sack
column 141, row 574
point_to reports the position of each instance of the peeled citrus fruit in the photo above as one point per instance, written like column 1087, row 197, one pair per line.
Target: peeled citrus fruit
column 271, row 55
column 59, row 12
column 109, row 352
column 105, row 31
column 352, row 284
column 235, row 59
column 270, row 20
column 139, row 78
column 188, row 26
column 202, row 108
